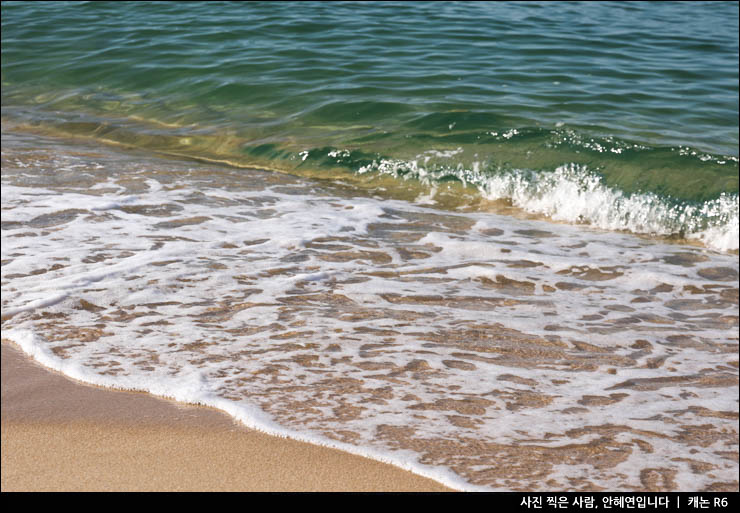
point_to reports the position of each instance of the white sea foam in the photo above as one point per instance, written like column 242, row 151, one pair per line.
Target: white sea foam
column 573, row 194
column 344, row 321
column 194, row 388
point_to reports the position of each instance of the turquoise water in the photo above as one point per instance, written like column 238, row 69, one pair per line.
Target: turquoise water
column 633, row 102
column 491, row 243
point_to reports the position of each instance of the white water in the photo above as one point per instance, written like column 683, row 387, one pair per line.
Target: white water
column 341, row 320
column 573, row 194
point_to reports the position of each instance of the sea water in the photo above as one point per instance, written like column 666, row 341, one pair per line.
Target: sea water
column 493, row 243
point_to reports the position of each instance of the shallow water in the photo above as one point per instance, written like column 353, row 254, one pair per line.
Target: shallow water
column 622, row 116
column 480, row 349
column 493, row 243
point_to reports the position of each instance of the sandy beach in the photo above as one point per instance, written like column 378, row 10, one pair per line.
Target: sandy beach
column 60, row 435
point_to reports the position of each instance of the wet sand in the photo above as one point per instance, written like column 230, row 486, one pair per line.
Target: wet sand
column 61, row 435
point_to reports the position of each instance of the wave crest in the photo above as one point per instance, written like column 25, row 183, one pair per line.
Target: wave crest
column 574, row 194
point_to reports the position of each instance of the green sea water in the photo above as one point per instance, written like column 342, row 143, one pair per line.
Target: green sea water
column 629, row 111
column 492, row 243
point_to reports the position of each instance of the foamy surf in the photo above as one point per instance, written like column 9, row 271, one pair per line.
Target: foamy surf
column 480, row 350
column 193, row 389
column 572, row 193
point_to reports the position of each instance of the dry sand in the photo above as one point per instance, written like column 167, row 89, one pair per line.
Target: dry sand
column 61, row 435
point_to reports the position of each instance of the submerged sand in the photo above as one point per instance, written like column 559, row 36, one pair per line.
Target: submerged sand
column 516, row 354
column 61, row 435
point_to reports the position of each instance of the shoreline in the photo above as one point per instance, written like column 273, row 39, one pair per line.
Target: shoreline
column 625, row 368
column 63, row 435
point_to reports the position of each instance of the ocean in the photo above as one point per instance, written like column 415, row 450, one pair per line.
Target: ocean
column 494, row 243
